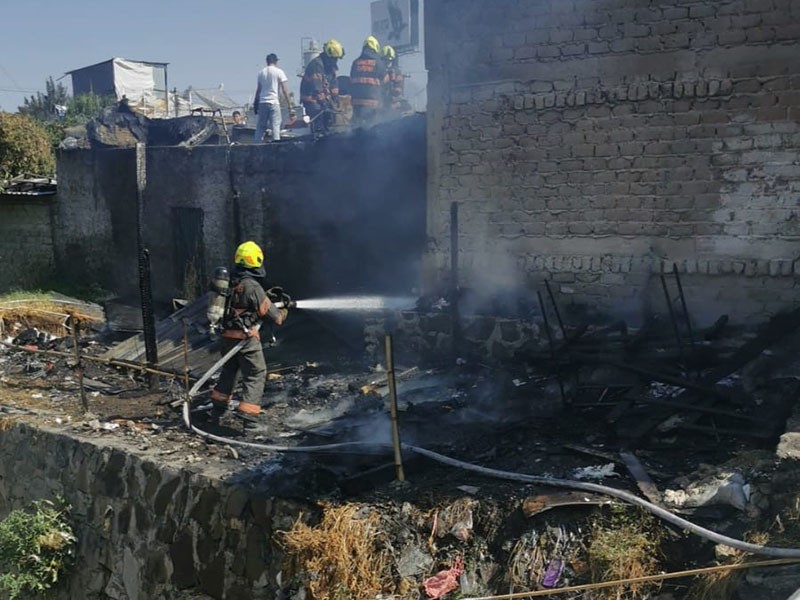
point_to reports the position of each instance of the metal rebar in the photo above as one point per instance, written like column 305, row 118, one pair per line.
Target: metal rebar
column 555, row 309
column 78, row 364
column 398, row 456
column 455, row 309
column 185, row 357
column 551, row 344
column 683, row 305
column 672, row 315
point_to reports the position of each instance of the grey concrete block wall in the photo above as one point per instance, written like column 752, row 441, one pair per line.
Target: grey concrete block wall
column 26, row 243
column 94, row 223
column 592, row 142
column 342, row 215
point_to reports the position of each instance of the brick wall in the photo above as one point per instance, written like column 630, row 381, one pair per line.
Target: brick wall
column 595, row 143
column 26, row 246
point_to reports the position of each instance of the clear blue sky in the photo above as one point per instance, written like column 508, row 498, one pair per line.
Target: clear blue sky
column 205, row 43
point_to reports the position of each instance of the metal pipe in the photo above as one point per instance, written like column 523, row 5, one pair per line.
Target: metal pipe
column 398, row 456
column 454, row 246
column 185, row 357
column 455, row 309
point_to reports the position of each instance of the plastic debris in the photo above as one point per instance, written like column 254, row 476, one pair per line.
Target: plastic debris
column 595, row 472
column 445, row 581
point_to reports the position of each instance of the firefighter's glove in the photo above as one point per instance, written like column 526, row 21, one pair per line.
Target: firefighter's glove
column 284, row 313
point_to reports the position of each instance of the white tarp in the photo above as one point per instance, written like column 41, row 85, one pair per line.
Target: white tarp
column 134, row 80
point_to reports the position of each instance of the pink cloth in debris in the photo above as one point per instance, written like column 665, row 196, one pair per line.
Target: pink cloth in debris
column 444, row 581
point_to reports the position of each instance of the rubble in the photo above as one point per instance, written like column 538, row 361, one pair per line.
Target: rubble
column 508, row 416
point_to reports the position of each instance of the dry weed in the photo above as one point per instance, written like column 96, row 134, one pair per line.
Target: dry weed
column 340, row 557
column 721, row 584
column 41, row 313
column 625, row 547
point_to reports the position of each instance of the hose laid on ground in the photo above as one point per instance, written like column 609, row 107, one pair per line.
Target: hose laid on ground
column 634, row 580
column 489, row 472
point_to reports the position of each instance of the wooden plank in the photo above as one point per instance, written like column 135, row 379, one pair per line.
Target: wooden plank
column 639, row 473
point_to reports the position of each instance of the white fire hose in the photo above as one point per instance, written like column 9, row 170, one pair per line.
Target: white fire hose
column 628, row 497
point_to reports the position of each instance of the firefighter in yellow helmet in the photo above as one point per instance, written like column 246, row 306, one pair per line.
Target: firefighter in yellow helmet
column 367, row 78
column 247, row 307
column 394, row 89
column 319, row 88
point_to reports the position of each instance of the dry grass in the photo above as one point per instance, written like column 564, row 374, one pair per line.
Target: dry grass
column 623, row 547
column 341, row 557
column 721, row 584
column 38, row 310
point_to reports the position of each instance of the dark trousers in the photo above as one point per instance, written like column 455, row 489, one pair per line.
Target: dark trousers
column 248, row 365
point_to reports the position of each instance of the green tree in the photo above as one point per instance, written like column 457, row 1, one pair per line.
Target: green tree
column 85, row 107
column 43, row 106
column 25, row 147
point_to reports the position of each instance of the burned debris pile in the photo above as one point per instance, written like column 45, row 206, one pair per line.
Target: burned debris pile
column 665, row 379
column 687, row 420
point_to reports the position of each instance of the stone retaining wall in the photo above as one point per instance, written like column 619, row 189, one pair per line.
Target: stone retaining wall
column 145, row 529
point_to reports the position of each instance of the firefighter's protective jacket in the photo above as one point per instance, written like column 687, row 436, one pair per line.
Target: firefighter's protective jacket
column 248, row 305
column 319, row 81
column 367, row 75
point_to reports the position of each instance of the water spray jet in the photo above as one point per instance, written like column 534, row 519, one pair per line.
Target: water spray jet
column 357, row 303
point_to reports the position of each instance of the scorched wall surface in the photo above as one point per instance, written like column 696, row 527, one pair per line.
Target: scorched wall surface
column 596, row 142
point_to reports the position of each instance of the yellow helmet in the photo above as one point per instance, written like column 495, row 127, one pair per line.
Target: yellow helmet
column 333, row 49
column 249, row 256
column 372, row 43
column 389, row 53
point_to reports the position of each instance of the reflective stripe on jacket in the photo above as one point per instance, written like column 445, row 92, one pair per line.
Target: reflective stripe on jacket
column 367, row 75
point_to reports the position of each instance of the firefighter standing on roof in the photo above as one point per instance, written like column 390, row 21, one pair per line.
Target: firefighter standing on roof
column 319, row 89
column 393, row 89
column 367, row 77
column 247, row 307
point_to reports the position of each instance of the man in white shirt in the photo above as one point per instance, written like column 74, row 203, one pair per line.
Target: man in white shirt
column 266, row 105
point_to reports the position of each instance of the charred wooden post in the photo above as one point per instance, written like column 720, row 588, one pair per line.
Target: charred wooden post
column 145, row 282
